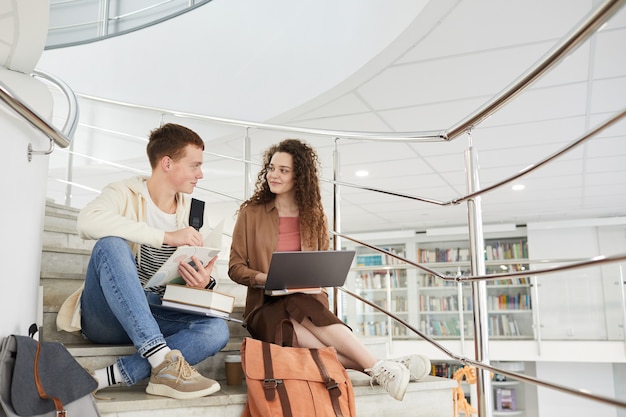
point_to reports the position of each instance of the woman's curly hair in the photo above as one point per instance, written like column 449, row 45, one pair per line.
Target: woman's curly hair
column 306, row 168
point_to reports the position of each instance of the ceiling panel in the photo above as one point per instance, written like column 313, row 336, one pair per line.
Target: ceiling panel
column 435, row 74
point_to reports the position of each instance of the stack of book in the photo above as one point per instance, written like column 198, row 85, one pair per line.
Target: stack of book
column 505, row 399
column 198, row 301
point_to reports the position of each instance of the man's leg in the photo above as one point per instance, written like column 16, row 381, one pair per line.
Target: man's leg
column 115, row 310
column 113, row 305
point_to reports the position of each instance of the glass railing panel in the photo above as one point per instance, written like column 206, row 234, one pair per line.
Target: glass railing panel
column 78, row 21
column 73, row 21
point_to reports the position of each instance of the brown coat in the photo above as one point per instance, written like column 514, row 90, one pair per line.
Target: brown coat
column 255, row 238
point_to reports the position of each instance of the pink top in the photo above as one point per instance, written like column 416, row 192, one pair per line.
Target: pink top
column 288, row 234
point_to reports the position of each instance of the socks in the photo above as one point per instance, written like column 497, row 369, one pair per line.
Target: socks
column 111, row 375
column 156, row 355
column 108, row 376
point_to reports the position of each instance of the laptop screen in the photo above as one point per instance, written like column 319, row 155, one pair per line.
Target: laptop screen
column 308, row 269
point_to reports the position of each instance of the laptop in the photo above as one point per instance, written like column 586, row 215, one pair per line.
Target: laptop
column 307, row 271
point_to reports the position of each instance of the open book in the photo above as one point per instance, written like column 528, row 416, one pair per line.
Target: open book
column 168, row 273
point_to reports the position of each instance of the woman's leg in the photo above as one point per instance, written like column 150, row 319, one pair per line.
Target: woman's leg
column 351, row 352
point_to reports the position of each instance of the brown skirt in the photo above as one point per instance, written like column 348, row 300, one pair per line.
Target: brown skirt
column 265, row 322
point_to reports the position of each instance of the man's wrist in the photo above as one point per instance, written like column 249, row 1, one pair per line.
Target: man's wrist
column 211, row 284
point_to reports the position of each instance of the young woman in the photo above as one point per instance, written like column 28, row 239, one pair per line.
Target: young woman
column 286, row 214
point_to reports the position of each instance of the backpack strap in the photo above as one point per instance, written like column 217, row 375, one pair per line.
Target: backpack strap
column 331, row 384
column 196, row 214
column 58, row 405
column 271, row 385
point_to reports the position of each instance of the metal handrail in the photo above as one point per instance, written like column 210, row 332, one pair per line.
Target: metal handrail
column 32, row 116
column 595, row 261
column 467, row 361
column 568, row 44
column 73, row 113
column 372, row 136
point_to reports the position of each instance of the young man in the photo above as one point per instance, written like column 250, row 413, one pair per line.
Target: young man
column 138, row 223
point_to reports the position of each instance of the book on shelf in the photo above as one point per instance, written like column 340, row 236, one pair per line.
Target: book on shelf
column 198, row 297
column 443, row 255
column 377, row 259
column 168, row 272
column 503, row 325
column 505, row 399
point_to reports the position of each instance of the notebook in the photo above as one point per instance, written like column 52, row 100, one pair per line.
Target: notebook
column 307, row 271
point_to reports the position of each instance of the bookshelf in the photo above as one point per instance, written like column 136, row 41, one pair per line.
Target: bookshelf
column 441, row 309
column 385, row 281
column 509, row 395
column 445, row 307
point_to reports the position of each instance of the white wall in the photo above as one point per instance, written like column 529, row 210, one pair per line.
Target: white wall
column 23, row 186
column 22, row 183
column 581, row 304
column 594, row 377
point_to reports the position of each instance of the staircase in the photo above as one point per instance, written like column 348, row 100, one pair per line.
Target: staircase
column 63, row 264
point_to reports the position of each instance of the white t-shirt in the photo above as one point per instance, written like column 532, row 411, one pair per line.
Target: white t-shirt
column 149, row 259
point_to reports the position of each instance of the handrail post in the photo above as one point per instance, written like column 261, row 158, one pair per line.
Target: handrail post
column 479, row 289
column 247, row 178
column 622, row 284
column 105, row 6
column 336, row 216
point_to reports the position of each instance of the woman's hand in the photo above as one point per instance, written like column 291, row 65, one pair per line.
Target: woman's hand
column 259, row 280
column 196, row 275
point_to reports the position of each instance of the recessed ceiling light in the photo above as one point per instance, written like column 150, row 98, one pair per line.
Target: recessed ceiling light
column 361, row 173
column 518, row 187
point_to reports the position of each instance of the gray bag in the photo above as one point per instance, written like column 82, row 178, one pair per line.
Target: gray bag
column 66, row 387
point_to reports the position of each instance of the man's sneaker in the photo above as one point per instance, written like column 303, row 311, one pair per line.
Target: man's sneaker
column 392, row 376
column 175, row 378
column 418, row 365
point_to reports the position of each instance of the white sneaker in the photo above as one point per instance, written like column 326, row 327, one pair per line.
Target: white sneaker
column 418, row 365
column 392, row 376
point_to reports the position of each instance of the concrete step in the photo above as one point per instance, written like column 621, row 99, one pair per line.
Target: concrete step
column 55, row 260
column 431, row 397
column 53, row 208
column 62, row 238
column 64, row 261
column 92, row 356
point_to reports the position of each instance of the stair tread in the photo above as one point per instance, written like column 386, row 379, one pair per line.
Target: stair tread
column 90, row 349
column 134, row 398
column 74, row 251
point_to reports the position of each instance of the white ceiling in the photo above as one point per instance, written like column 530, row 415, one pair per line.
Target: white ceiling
column 448, row 61
column 441, row 71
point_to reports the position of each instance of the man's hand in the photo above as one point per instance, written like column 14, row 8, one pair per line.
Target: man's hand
column 187, row 236
column 196, row 275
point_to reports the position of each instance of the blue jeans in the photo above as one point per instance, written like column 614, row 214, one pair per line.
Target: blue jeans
column 115, row 309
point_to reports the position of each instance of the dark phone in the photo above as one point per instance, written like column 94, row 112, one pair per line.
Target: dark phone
column 211, row 284
column 193, row 264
